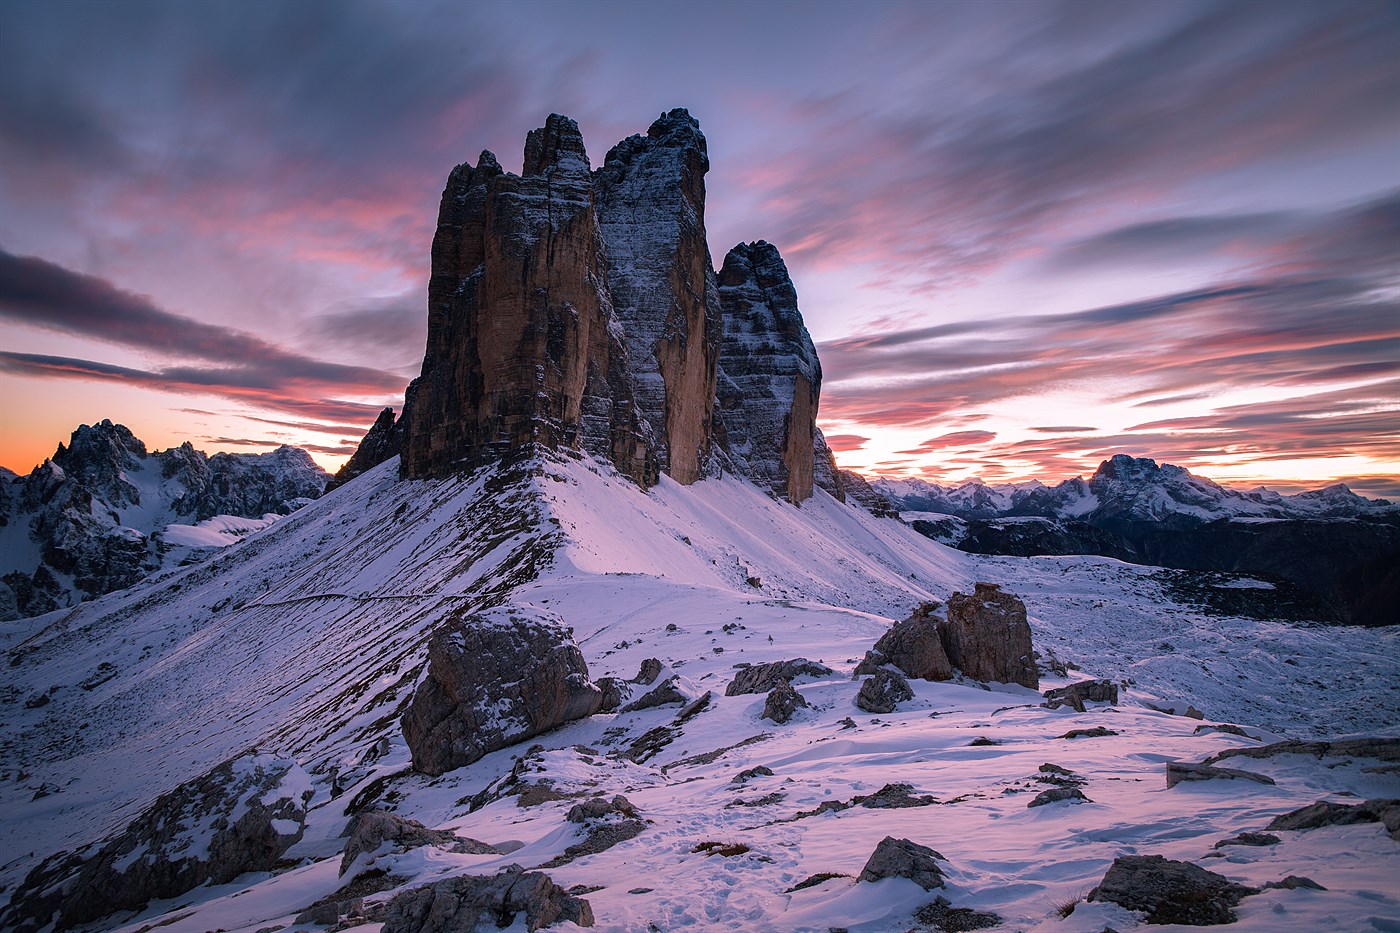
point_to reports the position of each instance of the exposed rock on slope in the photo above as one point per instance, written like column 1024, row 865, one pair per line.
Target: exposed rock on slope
column 90, row 519
column 770, row 377
column 239, row 817
column 495, row 679
column 651, row 209
column 383, row 441
column 467, row 903
column 523, row 347
column 987, row 636
column 912, row 645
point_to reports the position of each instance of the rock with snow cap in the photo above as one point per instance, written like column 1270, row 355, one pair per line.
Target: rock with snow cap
column 476, row 904
column 987, row 637
column 493, row 679
column 912, row 645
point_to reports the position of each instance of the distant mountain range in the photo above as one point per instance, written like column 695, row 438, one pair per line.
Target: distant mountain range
column 1342, row 548
column 103, row 512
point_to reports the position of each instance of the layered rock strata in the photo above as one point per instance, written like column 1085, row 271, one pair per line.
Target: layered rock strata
column 578, row 309
column 771, row 378
column 524, row 350
column 651, row 209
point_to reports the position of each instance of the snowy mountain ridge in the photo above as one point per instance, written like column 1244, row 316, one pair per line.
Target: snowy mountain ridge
column 1128, row 488
column 306, row 638
column 103, row 512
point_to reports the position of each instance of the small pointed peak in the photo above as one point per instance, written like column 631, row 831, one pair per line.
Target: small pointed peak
column 487, row 162
column 559, row 140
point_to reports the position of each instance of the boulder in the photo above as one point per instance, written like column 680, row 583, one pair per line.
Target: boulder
column 241, row 816
column 1249, row 839
column 782, row 702
column 372, row 828
column 597, row 808
column 1086, row 691
column 670, row 690
column 987, row 637
column 883, row 691
column 1178, row 771
column 1327, row 813
column 1057, row 794
column 900, row 858
column 760, row 678
column 912, row 645
column 1169, row 891
column 495, row 678
column 471, row 903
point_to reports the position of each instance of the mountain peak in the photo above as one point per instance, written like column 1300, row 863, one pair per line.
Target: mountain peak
column 558, row 142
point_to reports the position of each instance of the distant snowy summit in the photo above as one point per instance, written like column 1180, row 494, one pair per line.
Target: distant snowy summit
column 1343, row 549
column 103, row 512
column 1128, row 488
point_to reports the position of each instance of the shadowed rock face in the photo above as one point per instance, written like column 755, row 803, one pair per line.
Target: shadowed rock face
column 471, row 902
column 913, row 646
column 495, row 679
column 987, row 637
column 770, row 376
column 651, row 209
column 241, row 816
column 523, row 347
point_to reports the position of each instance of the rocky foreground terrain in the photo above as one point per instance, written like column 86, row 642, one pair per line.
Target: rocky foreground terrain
column 1340, row 549
column 594, row 635
column 103, row 513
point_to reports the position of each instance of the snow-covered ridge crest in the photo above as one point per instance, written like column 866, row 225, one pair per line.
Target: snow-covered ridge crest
column 1128, row 487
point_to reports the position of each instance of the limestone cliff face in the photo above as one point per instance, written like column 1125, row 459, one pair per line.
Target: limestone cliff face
column 770, row 377
column 578, row 309
column 651, row 207
column 523, row 347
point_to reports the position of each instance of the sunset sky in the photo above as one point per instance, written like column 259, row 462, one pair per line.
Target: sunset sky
column 1024, row 236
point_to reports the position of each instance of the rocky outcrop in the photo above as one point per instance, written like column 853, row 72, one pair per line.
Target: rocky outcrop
column 370, row 830
column 468, row 903
column 760, row 678
column 494, row 679
column 883, row 691
column 1169, row 891
column 1085, row 691
column 383, row 441
column 825, row 473
column 651, row 209
column 1326, row 813
column 92, row 518
column 859, row 490
column 1381, row 748
column 239, row 817
column 524, row 351
column 1179, row 771
column 782, row 703
column 770, row 378
column 987, row 637
column 901, row 858
column 912, row 645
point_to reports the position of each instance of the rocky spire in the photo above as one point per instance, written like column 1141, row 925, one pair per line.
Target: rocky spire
column 651, row 207
column 523, row 348
column 770, row 377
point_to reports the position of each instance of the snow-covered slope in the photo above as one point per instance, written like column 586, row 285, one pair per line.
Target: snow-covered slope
column 306, row 638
